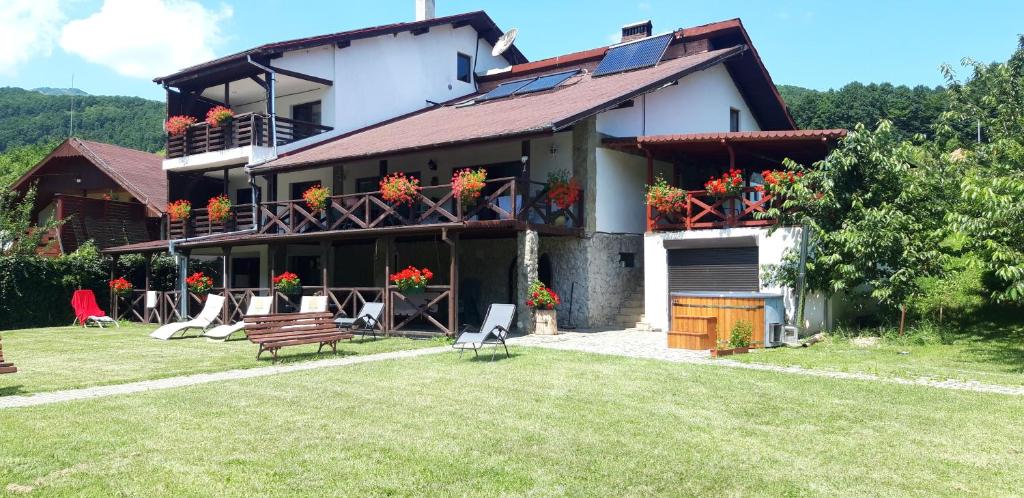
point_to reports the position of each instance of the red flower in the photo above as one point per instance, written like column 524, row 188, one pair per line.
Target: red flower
column 121, row 286
column 218, row 115
column 199, row 283
column 287, row 282
column 543, row 297
column 399, row 189
column 411, row 279
column 179, row 210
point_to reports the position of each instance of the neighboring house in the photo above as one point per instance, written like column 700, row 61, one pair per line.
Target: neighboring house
column 105, row 193
column 427, row 98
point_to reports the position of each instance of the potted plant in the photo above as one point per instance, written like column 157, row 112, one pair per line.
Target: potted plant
column 730, row 184
column 563, row 190
column 776, row 182
column 200, row 284
column 467, row 184
column 542, row 301
column 219, row 116
column 179, row 210
column 219, row 209
column 399, row 189
column 412, row 279
column 666, row 199
column 121, row 287
column 316, row 197
column 739, row 340
column 176, row 125
column 287, row 283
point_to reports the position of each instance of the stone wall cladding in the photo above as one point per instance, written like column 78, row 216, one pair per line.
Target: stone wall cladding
column 601, row 282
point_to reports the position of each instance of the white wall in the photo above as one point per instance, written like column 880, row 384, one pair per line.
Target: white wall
column 620, row 192
column 700, row 102
column 770, row 251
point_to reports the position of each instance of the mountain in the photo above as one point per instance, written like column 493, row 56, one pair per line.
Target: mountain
column 911, row 110
column 28, row 117
column 45, row 90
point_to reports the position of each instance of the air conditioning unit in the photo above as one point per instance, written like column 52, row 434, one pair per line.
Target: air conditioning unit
column 781, row 335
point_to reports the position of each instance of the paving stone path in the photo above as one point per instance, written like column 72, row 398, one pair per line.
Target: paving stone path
column 653, row 345
column 191, row 380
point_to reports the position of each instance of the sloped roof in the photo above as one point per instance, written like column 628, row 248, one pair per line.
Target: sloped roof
column 480, row 21
column 138, row 172
column 733, row 136
column 535, row 113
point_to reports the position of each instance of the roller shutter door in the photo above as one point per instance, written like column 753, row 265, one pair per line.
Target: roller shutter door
column 713, row 269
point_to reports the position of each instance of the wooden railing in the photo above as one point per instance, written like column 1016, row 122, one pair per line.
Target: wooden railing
column 243, row 130
column 503, row 199
column 705, row 211
column 199, row 223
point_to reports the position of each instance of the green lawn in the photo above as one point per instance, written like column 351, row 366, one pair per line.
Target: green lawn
column 542, row 423
column 985, row 352
column 57, row 358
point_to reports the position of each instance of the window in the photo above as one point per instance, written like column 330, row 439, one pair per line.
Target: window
column 368, row 184
column 298, row 188
column 734, row 119
column 243, row 196
column 464, row 68
column 308, row 115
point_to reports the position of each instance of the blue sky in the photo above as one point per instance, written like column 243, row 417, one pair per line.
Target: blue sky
column 115, row 47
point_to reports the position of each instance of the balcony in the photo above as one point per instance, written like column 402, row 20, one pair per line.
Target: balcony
column 199, row 223
column 504, row 201
column 704, row 211
column 245, row 130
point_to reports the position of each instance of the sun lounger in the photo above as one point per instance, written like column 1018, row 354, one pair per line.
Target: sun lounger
column 87, row 311
column 313, row 304
column 258, row 305
column 365, row 321
column 494, row 330
column 212, row 309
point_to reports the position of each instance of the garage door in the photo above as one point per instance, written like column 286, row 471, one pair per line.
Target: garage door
column 713, row 269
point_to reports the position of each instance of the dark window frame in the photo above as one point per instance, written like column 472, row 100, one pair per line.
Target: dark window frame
column 459, row 58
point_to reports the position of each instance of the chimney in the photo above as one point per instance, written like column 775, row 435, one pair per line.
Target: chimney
column 424, row 10
column 636, row 31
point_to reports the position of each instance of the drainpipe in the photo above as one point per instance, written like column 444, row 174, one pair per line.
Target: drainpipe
column 271, row 104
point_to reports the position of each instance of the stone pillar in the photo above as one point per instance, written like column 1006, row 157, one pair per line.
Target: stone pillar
column 526, row 271
column 585, row 141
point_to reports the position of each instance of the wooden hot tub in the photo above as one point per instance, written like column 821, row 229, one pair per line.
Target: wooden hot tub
column 698, row 320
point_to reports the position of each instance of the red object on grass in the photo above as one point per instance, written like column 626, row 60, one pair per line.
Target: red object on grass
column 83, row 301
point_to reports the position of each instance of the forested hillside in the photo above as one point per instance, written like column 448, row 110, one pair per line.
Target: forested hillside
column 911, row 110
column 29, row 117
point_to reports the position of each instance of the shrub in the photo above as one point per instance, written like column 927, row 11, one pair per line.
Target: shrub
column 740, row 335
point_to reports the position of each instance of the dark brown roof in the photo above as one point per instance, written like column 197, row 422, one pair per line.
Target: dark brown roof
column 140, row 247
column 536, row 113
column 480, row 21
column 140, row 173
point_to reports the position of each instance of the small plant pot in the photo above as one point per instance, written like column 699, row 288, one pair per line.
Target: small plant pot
column 413, row 290
column 545, row 322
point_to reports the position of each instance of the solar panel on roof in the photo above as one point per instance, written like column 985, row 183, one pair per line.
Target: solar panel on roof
column 547, row 82
column 505, row 89
column 634, row 55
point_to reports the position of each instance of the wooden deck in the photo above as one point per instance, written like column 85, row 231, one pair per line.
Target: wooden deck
column 705, row 211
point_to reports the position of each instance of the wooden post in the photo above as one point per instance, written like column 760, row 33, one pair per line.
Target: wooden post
column 271, row 259
column 325, row 249
column 453, row 281
column 903, row 318
column 650, row 181
column 145, row 298
column 226, row 268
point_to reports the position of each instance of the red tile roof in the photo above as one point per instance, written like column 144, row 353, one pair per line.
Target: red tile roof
column 543, row 112
column 737, row 136
column 140, row 173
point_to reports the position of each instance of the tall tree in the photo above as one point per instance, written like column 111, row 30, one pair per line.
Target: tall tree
column 991, row 214
column 911, row 110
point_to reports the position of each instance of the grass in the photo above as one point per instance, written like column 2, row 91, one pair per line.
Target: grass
column 991, row 352
column 56, row 358
column 542, row 423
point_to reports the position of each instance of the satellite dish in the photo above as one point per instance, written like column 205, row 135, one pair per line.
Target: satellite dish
column 504, row 42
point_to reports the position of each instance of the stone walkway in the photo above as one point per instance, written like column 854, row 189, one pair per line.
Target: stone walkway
column 653, row 345
column 191, row 380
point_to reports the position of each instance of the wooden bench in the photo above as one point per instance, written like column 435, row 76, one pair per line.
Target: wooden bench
column 273, row 332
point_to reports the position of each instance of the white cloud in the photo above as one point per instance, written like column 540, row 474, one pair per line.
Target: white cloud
column 29, row 29
column 146, row 38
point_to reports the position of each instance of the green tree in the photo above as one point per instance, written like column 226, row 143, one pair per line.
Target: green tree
column 991, row 212
column 875, row 207
column 16, row 160
column 19, row 236
column 911, row 110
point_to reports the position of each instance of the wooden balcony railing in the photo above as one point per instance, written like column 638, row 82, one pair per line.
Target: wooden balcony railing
column 503, row 199
column 199, row 223
column 244, row 130
column 705, row 211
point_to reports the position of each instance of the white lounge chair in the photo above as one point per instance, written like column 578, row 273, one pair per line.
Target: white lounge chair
column 494, row 331
column 258, row 305
column 365, row 321
column 313, row 304
column 212, row 309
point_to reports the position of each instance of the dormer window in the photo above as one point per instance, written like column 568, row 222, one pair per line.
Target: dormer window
column 464, row 68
